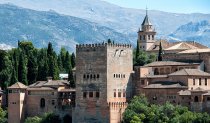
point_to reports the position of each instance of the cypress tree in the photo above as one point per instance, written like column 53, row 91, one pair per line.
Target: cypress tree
column 71, row 77
column 32, row 68
column 67, row 62
column 22, row 69
column 63, row 56
column 60, row 65
column 73, row 58
column 160, row 52
column 137, row 50
column 15, row 59
column 5, row 69
column 13, row 78
column 50, row 49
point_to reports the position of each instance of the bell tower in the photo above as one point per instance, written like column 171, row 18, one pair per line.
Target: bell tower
column 146, row 35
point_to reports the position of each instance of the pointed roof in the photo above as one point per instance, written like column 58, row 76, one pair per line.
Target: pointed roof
column 146, row 20
column 17, row 85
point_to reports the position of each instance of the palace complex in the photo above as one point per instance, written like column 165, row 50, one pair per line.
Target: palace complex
column 106, row 80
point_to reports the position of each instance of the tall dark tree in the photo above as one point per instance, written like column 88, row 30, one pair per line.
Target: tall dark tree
column 60, row 65
column 13, row 78
column 43, row 70
column 63, row 56
column 137, row 50
column 67, row 61
column 5, row 69
column 32, row 67
column 160, row 52
column 71, row 77
column 73, row 60
column 53, row 67
column 15, row 59
column 22, row 69
column 50, row 49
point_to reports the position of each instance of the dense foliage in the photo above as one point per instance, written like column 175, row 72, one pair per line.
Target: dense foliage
column 49, row 118
column 140, row 111
column 3, row 116
column 141, row 57
column 28, row 64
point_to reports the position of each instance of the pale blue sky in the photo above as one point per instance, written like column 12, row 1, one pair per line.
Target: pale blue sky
column 176, row 6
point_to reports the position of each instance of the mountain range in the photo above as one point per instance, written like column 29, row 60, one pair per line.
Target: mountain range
column 68, row 22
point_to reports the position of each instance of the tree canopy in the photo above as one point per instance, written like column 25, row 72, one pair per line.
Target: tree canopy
column 140, row 111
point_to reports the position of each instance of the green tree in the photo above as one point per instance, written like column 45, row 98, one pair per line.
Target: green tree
column 22, row 69
column 71, row 77
column 3, row 116
column 160, row 52
column 13, row 79
column 33, row 120
column 51, row 118
column 60, row 65
column 32, row 67
column 5, row 69
column 67, row 62
column 50, row 49
column 137, row 50
column 63, row 55
column 43, row 67
column 73, row 60
column 139, row 110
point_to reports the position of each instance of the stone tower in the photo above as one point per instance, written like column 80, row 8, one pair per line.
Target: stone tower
column 146, row 35
column 103, row 82
column 16, row 103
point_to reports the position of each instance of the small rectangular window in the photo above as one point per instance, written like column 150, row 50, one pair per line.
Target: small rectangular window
column 90, row 94
column 123, row 94
column 84, row 94
column 114, row 94
column 119, row 94
column 193, row 81
column 199, row 81
column 97, row 75
column 97, row 94
column 206, row 81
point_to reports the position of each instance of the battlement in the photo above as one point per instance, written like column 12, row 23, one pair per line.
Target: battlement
column 100, row 45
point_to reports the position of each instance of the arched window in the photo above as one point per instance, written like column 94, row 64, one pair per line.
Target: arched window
column 196, row 99
column 42, row 103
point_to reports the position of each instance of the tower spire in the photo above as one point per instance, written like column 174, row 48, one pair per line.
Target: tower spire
column 146, row 10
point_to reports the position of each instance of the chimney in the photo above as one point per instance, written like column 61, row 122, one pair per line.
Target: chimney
column 49, row 79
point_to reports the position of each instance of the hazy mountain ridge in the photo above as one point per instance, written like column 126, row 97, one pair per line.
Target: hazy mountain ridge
column 105, row 21
column 194, row 31
column 42, row 27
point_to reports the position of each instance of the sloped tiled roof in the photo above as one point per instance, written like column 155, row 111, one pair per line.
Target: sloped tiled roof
column 167, row 84
column 195, row 51
column 181, row 46
column 17, row 85
column 40, row 88
column 54, row 83
column 167, row 63
column 189, row 72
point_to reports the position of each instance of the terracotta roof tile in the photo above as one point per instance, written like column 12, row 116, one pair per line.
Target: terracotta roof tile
column 189, row 72
column 17, row 85
column 167, row 63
